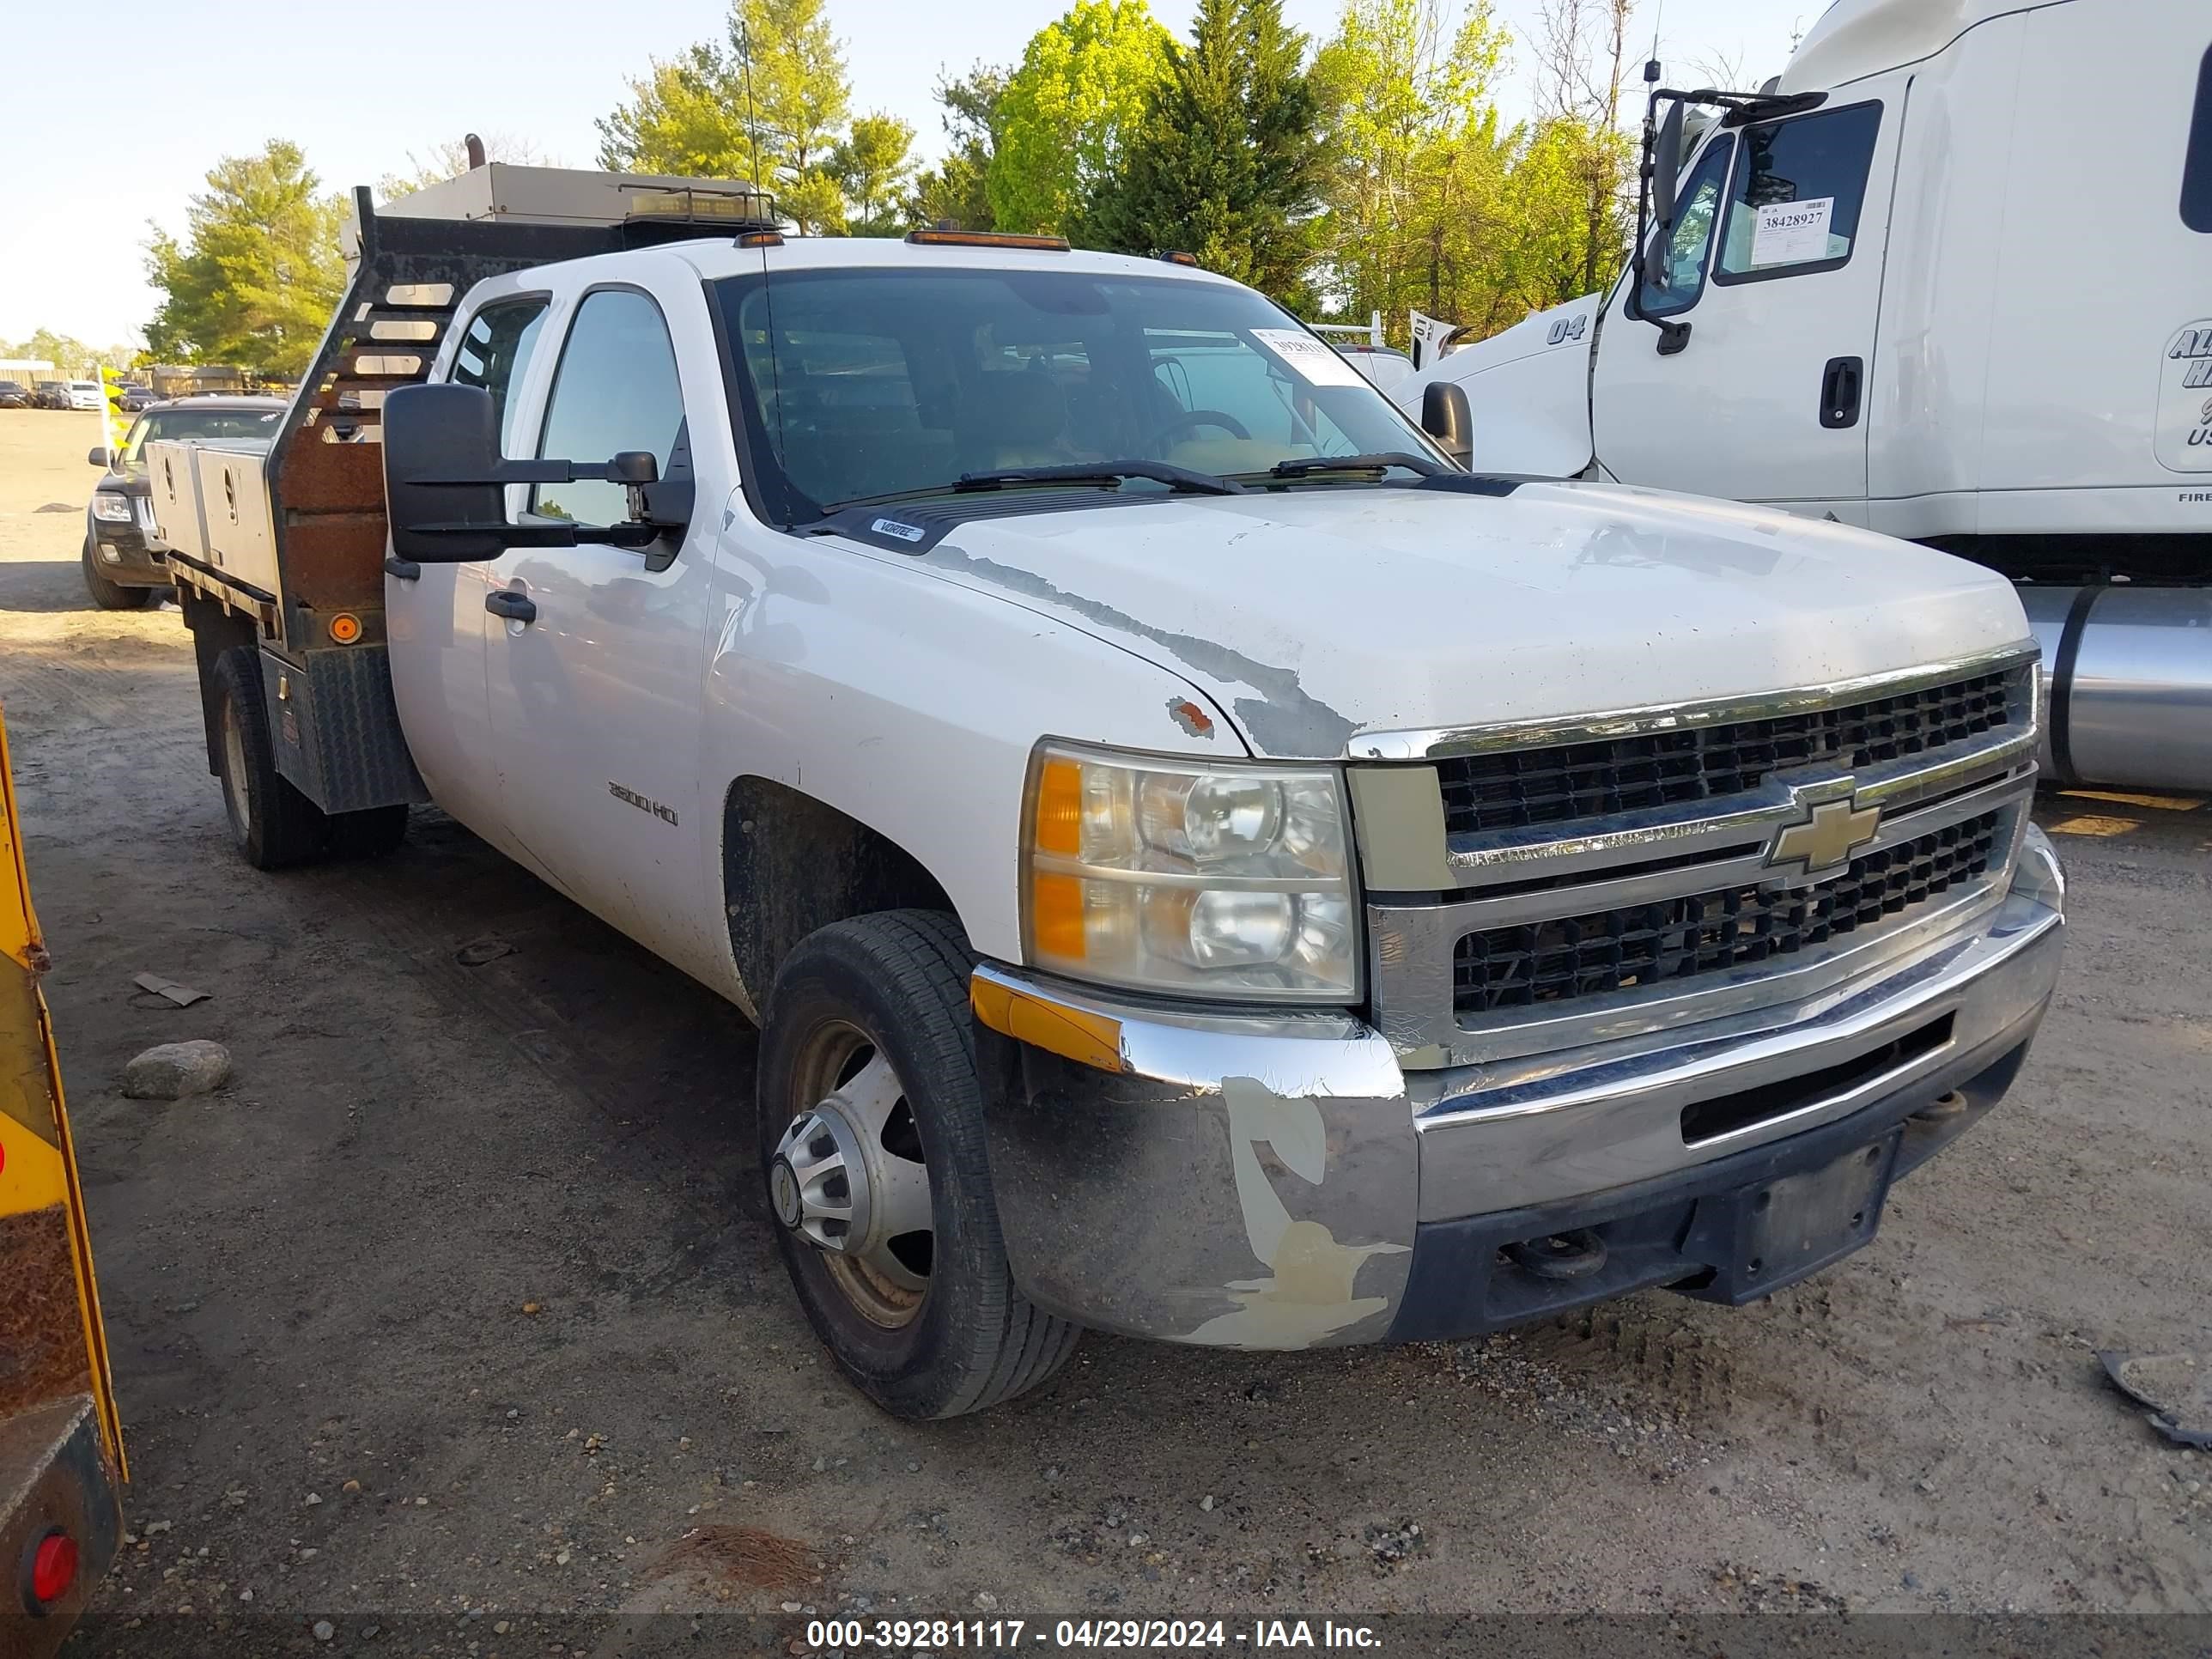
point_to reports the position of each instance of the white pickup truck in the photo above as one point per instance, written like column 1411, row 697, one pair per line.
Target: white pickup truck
column 1203, row 866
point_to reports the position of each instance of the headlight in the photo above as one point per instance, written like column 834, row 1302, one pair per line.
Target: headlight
column 109, row 508
column 1230, row 881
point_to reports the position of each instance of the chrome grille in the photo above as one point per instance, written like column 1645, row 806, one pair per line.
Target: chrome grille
column 1604, row 879
column 1516, row 789
column 1672, row 939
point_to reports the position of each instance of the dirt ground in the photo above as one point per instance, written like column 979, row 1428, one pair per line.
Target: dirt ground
column 456, row 1309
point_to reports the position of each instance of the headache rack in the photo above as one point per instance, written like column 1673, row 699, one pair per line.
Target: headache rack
column 285, row 550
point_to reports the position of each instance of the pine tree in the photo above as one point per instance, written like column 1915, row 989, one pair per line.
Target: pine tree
column 1227, row 165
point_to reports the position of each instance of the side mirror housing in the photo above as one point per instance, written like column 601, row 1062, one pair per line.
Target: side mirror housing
column 1446, row 417
column 441, row 489
column 96, row 456
column 445, row 481
column 1666, row 170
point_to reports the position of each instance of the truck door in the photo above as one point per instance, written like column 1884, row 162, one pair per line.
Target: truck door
column 1777, row 254
column 436, row 619
column 594, row 653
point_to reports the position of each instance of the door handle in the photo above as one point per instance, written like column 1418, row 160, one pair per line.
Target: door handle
column 516, row 607
column 1840, row 391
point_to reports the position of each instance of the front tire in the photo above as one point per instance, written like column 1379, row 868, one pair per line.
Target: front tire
column 272, row 824
column 872, row 1143
column 108, row 595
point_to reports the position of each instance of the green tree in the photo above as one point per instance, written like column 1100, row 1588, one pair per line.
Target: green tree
column 871, row 167
column 1418, row 159
column 1071, row 108
column 957, row 189
column 1583, row 60
column 71, row 357
column 768, row 104
column 255, row 278
column 1228, row 164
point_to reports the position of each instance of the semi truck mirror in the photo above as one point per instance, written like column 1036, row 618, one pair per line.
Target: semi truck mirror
column 441, row 462
column 1446, row 417
column 1665, row 169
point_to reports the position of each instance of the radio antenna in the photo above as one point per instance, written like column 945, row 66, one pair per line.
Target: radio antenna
column 753, row 116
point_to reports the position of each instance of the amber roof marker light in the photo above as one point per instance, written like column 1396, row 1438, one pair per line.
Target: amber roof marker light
column 986, row 238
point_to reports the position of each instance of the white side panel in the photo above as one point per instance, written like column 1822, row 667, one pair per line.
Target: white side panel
column 2101, row 275
column 594, row 704
column 1924, row 409
column 1527, row 389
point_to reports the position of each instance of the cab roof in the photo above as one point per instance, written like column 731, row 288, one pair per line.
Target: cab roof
column 1858, row 37
column 722, row 257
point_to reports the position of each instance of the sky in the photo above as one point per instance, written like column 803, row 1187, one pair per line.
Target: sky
column 181, row 83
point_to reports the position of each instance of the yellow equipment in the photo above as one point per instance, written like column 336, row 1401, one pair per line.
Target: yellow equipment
column 61, row 1445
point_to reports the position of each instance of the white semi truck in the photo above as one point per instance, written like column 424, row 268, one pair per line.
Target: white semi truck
column 1949, row 277
column 1203, row 866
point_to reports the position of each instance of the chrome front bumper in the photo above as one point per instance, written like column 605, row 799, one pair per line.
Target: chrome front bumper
column 1273, row 1181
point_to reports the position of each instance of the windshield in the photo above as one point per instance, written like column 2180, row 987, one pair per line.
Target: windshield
column 870, row 383
column 207, row 425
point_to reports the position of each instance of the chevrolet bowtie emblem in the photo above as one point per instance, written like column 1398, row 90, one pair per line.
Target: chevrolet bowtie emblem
column 1829, row 833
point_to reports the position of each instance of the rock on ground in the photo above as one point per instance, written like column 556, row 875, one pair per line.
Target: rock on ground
column 174, row 1070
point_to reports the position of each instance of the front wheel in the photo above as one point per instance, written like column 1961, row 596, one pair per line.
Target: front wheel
column 872, row 1146
column 108, row 595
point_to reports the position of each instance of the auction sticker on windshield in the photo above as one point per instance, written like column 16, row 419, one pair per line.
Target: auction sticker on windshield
column 1792, row 233
column 1312, row 360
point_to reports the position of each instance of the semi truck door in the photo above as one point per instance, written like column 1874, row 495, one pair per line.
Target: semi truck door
column 1776, row 260
column 437, row 619
column 595, row 653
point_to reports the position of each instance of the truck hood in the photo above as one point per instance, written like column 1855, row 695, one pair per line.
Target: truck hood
column 1316, row 618
column 1527, row 392
column 1540, row 331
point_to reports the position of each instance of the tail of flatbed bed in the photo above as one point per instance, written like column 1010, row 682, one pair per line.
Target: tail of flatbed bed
column 302, row 582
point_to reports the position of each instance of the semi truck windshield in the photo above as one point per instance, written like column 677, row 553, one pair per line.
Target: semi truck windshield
column 864, row 385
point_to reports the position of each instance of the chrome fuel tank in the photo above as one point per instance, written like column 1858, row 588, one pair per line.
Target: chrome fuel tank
column 2128, row 671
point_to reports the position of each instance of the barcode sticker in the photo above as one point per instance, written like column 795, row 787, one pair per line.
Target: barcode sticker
column 1792, row 233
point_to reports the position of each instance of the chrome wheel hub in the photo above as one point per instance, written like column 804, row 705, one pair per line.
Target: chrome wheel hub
column 847, row 1175
column 818, row 1180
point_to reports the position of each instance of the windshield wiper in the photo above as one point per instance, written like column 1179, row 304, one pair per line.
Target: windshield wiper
column 1305, row 467
column 1176, row 478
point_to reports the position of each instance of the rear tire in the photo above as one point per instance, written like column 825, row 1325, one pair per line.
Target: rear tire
column 893, row 988
column 108, row 595
column 272, row 824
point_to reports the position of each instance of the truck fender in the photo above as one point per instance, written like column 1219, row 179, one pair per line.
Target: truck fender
column 1527, row 389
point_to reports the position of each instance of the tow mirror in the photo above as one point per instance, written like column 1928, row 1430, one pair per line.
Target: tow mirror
column 1446, row 417
column 445, row 481
column 96, row 456
column 1665, row 169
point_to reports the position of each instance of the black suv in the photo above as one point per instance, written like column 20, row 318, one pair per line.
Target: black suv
column 50, row 394
column 121, row 572
column 12, row 396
